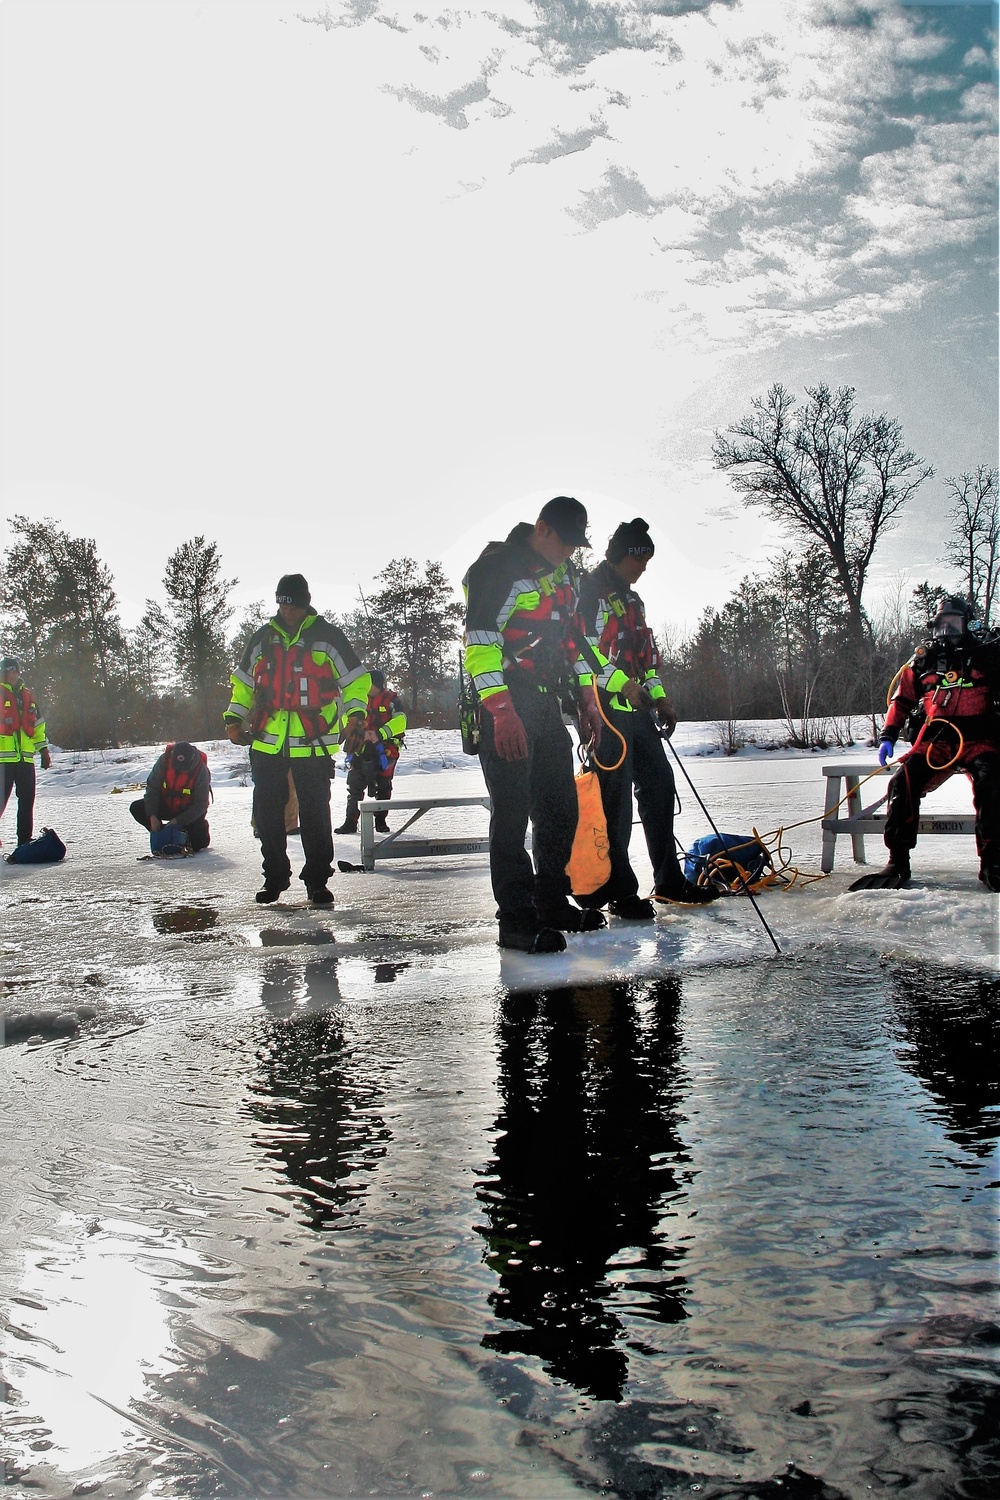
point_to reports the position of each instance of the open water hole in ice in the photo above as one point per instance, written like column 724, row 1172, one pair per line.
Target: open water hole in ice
column 724, row 1232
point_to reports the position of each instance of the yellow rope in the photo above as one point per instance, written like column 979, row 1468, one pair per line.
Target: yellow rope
column 782, row 871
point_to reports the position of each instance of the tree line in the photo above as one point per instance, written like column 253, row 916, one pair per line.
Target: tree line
column 794, row 641
column 100, row 683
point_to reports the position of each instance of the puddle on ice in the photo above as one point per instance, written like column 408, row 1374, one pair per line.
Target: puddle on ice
column 184, row 919
column 724, row 1231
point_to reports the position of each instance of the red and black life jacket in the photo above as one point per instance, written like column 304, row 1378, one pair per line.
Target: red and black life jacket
column 949, row 682
column 382, row 706
column 287, row 679
column 178, row 781
column 18, row 712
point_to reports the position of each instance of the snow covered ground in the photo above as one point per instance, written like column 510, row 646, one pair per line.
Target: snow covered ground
column 106, row 912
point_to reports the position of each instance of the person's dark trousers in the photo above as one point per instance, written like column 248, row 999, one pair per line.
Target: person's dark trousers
column 197, row 832
column 311, row 775
column 653, row 778
column 914, row 778
column 540, row 788
column 366, row 778
column 19, row 775
column 616, row 798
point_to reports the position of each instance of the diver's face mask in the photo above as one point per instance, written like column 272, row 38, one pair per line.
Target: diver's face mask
column 949, row 627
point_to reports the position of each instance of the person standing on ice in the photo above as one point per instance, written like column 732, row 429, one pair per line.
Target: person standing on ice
column 22, row 737
column 523, row 643
column 372, row 768
column 178, row 791
column 952, row 683
column 299, row 694
column 614, row 617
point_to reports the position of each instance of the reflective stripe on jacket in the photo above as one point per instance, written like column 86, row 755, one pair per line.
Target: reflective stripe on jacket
column 521, row 620
column 294, row 691
column 22, row 731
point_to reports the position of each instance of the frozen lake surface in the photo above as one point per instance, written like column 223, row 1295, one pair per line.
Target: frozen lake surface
column 344, row 1203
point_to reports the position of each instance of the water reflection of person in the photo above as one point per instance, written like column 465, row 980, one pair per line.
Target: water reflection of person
column 583, row 1165
column 952, row 1023
column 314, row 1097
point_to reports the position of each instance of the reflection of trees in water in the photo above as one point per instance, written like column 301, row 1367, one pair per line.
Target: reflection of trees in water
column 952, row 1023
column 584, row 1162
column 317, row 1101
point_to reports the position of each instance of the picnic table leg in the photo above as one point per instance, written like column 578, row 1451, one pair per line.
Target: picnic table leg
column 854, row 810
column 367, row 838
column 829, row 837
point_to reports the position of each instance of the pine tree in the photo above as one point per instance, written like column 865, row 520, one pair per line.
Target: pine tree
column 198, row 609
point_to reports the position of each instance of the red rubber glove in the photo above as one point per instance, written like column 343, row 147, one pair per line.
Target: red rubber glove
column 591, row 723
column 508, row 732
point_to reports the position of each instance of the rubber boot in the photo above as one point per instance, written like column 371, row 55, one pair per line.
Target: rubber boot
column 352, row 817
column 688, row 894
column 895, row 874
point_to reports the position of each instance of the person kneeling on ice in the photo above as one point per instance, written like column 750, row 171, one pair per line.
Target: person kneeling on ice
column 175, row 804
column 951, row 685
column 299, row 694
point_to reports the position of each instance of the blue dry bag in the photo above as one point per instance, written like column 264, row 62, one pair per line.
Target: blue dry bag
column 168, row 838
column 712, row 860
column 45, row 850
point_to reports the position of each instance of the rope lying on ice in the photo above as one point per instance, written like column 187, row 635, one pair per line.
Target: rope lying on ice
column 782, row 872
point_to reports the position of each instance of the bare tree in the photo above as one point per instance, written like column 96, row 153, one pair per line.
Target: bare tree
column 975, row 545
column 826, row 473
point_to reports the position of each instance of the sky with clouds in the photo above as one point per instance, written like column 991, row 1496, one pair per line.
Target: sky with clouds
column 334, row 282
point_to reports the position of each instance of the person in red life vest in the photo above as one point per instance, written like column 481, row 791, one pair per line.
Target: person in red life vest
column 952, row 685
column 22, row 737
column 178, row 791
column 371, row 769
column 299, row 694
column 614, row 618
column 524, row 645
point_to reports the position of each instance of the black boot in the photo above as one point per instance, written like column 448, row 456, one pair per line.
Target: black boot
column 895, row 874
column 688, row 894
column 572, row 919
column 633, row 909
column 531, row 939
column 990, row 876
column 268, row 894
column 351, row 819
column 381, row 823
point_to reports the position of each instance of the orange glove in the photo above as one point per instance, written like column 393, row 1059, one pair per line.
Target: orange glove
column 236, row 732
column 509, row 735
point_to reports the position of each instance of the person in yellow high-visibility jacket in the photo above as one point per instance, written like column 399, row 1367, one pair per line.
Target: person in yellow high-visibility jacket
column 299, row 694
column 22, row 737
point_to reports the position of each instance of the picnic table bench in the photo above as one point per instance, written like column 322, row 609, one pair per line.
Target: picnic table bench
column 857, row 822
column 387, row 847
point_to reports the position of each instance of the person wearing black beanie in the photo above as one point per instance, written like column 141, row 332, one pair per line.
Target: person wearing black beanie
column 300, row 695
column 614, row 616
